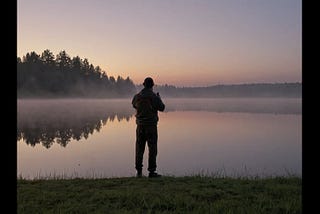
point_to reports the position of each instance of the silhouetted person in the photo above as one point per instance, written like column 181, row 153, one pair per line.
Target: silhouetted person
column 147, row 105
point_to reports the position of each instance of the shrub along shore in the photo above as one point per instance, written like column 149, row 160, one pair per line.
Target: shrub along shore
column 168, row 194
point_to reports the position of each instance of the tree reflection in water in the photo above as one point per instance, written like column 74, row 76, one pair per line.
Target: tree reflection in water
column 48, row 121
column 60, row 121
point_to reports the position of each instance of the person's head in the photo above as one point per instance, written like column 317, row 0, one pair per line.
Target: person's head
column 148, row 82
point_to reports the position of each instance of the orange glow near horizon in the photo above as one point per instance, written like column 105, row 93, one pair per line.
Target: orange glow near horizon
column 191, row 44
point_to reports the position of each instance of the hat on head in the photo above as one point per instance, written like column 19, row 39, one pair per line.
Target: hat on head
column 148, row 82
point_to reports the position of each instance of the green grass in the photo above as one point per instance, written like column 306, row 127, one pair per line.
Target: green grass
column 192, row 194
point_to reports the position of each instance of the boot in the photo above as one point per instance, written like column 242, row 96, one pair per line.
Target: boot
column 154, row 175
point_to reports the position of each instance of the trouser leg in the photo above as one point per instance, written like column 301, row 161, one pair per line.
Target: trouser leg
column 152, row 139
column 140, row 147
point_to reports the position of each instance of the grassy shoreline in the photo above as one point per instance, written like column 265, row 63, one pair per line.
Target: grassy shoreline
column 189, row 194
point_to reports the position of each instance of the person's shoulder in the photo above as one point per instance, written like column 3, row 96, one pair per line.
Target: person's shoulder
column 139, row 93
column 154, row 95
column 135, row 96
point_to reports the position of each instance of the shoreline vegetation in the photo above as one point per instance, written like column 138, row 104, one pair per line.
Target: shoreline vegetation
column 62, row 76
column 168, row 194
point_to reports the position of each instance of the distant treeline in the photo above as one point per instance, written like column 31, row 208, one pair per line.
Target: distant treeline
column 47, row 75
column 239, row 90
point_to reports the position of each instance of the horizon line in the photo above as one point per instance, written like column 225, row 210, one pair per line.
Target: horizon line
column 225, row 84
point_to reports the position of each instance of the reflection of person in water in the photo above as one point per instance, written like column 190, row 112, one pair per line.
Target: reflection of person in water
column 147, row 105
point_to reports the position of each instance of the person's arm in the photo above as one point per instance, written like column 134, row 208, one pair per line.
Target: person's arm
column 160, row 104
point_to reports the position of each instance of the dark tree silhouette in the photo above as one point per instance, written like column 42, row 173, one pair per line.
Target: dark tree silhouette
column 47, row 58
column 65, row 76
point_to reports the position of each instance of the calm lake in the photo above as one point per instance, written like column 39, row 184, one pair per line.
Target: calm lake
column 223, row 136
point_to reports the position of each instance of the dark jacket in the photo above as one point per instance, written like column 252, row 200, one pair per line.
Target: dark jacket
column 147, row 105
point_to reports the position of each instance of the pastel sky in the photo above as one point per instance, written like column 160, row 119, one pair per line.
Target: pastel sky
column 177, row 42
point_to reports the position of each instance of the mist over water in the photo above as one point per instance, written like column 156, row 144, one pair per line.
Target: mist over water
column 86, row 137
column 46, row 120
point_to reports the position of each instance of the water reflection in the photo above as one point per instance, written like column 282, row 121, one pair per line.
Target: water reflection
column 238, row 136
column 239, row 105
column 63, row 120
column 60, row 121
